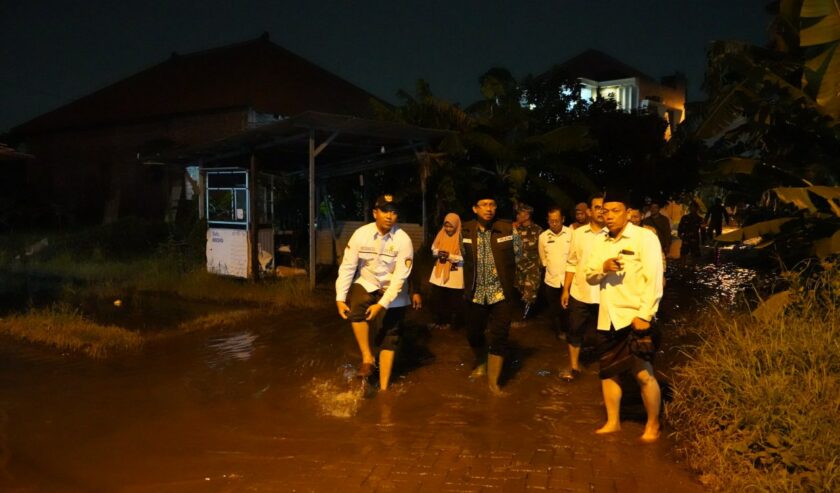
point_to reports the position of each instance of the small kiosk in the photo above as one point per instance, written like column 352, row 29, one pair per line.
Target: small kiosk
column 235, row 218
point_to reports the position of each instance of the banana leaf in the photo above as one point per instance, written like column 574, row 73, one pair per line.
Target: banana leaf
column 735, row 165
column 763, row 228
column 799, row 196
column 820, row 29
column 827, row 246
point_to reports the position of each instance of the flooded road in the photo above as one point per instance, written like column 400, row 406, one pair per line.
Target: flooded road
column 271, row 404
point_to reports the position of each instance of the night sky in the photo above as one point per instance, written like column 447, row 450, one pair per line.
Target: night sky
column 52, row 52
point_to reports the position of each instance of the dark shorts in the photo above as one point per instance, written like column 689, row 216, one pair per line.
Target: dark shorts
column 386, row 328
column 583, row 318
column 616, row 354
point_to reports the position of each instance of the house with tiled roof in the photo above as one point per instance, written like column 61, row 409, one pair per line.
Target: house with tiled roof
column 603, row 76
column 87, row 151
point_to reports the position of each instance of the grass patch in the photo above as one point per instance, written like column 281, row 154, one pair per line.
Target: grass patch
column 63, row 327
column 757, row 404
column 134, row 255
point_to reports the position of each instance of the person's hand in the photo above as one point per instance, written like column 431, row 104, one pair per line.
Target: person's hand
column 612, row 264
column 443, row 255
column 416, row 301
column 639, row 324
column 564, row 299
column 343, row 309
column 373, row 310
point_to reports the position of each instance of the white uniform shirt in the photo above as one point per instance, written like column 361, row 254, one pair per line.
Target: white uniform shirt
column 377, row 262
column 583, row 241
column 554, row 252
column 636, row 289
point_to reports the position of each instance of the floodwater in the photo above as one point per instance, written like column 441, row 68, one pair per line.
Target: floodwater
column 271, row 404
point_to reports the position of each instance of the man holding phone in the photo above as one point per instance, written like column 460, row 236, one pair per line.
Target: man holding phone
column 627, row 267
column 371, row 286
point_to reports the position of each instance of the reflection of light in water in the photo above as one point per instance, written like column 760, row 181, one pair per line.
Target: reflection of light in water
column 721, row 284
column 238, row 347
column 333, row 402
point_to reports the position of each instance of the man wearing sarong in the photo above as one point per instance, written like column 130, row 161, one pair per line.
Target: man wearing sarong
column 627, row 266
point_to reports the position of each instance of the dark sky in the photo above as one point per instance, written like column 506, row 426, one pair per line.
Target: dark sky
column 52, row 52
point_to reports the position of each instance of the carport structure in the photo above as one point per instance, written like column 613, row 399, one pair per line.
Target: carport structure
column 319, row 145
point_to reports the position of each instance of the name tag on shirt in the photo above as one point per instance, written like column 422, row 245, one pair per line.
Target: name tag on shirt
column 467, row 240
column 550, row 241
column 505, row 238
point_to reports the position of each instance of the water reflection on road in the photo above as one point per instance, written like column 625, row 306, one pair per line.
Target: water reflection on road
column 272, row 405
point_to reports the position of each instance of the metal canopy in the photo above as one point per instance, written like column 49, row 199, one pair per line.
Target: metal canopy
column 342, row 145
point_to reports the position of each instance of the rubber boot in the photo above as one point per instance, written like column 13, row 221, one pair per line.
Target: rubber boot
column 480, row 363
column 494, row 369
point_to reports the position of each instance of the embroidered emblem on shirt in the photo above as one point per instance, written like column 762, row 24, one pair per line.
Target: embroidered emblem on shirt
column 505, row 238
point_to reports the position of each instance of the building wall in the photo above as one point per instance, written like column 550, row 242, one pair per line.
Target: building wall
column 344, row 230
column 80, row 173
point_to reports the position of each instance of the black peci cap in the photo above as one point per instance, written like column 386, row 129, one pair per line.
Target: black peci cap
column 386, row 202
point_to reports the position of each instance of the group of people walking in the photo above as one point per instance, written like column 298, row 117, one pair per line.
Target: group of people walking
column 602, row 281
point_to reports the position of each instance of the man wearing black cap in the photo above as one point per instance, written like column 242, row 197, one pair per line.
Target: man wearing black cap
column 371, row 285
column 490, row 248
column 627, row 265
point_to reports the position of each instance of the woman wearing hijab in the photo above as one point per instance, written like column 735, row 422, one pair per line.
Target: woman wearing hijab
column 447, row 278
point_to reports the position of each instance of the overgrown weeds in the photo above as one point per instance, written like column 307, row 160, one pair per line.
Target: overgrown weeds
column 63, row 327
column 757, row 405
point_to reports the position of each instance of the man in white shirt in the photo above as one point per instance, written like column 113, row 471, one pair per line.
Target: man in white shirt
column 579, row 297
column 627, row 266
column 371, row 286
column 554, row 251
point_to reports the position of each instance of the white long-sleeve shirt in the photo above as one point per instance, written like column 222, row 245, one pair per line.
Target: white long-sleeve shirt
column 633, row 291
column 554, row 252
column 583, row 241
column 377, row 262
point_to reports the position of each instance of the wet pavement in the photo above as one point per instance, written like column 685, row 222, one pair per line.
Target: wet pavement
column 272, row 405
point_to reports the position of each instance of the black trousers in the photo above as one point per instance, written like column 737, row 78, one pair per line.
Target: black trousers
column 489, row 326
column 556, row 313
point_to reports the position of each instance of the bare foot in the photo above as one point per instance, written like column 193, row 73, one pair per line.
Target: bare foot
column 497, row 391
column 479, row 371
column 608, row 428
column 651, row 434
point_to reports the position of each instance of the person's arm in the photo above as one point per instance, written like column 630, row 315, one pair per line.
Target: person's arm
column 346, row 273
column 541, row 245
column 517, row 245
column 404, row 264
column 652, row 273
column 596, row 268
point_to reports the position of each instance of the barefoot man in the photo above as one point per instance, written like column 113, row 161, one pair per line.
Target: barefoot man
column 627, row 265
column 371, row 286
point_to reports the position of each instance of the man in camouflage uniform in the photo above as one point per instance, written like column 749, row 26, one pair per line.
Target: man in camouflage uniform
column 528, row 268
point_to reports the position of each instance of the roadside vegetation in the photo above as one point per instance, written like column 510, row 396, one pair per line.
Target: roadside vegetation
column 134, row 255
column 757, row 404
column 63, row 327
column 121, row 260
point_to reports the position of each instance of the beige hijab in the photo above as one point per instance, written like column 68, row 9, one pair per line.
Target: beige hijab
column 451, row 244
